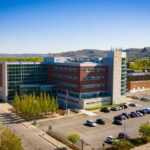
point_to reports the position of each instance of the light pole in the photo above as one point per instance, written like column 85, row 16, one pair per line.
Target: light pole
column 83, row 143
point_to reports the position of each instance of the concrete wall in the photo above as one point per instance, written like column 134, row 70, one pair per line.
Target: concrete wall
column 87, row 103
column 83, row 103
column 116, row 85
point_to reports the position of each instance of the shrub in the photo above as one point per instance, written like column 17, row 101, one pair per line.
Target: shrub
column 140, row 141
column 73, row 138
column 145, row 130
column 9, row 140
column 62, row 140
column 122, row 145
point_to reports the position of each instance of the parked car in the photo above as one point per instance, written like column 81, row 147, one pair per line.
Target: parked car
column 123, row 117
column 100, row 121
column 144, row 99
column 125, row 106
column 122, row 106
column 138, row 112
column 118, row 118
column 132, row 115
column 117, row 122
column 143, row 111
column 114, row 108
column 110, row 139
column 135, row 97
column 135, row 114
column 105, row 109
column 119, row 108
column 147, row 111
column 91, row 123
column 132, row 104
column 123, row 136
column 126, row 115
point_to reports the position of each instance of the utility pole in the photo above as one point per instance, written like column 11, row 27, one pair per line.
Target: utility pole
column 82, row 144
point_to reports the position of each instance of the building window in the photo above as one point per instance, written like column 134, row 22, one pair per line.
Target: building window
column 86, row 86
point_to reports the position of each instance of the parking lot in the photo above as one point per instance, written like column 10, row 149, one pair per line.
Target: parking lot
column 95, row 136
column 140, row 94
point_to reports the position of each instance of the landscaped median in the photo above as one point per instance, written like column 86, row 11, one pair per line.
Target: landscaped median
column 63, row 140
column 104, row 106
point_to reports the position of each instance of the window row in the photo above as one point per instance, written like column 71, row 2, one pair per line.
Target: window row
column 93, row 78
column 93, row 94
column 66, row 69
column 94, row 69
column 93, row 85
column 66, row 76
column 71, row 85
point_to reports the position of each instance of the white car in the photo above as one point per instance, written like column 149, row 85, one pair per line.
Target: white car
column 91, row 123
column 139, row 113
column 111, row 139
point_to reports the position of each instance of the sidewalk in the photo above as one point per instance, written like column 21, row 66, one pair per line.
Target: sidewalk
column 32, row 137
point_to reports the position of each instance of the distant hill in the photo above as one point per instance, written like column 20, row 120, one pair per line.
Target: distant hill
column 135, row 53
column 132, row 53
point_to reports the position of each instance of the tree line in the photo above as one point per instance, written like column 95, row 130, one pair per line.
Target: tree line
column 24, row 59
column 139, row 64
column 35, row 105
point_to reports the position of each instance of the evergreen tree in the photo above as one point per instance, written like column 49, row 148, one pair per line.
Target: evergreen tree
column 16, row 102
column 9, row 141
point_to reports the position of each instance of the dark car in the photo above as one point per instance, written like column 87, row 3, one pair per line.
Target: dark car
column 125, row 106
column 132, row 115
column 114, row 108
column 126, row 115
column 100, row 121
column 135, row 114
column 146, row 111
column 105, row 110
column 132, row 104
column 143, row 111
column 123, row 136
column 118, row 118
column 117, row 122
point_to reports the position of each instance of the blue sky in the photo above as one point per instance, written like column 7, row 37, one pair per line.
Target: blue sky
column 48, row 26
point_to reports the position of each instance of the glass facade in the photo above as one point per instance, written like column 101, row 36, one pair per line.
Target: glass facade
column 24, row 73
column 93, row 85
column 93, row 69
column 85, row 95
column 88, row 78
column 123, row 76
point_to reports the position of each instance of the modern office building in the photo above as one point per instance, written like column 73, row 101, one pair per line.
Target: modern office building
column 23, row 78
column 78, row 82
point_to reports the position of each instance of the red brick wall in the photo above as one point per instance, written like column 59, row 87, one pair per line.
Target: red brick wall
column 80, row 74
column 138, row 84
column 0, row 75
column 84, row 74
